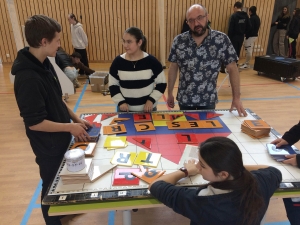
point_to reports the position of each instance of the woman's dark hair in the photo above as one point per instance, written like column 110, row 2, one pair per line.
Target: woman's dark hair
column 222, row 154
column 297, row 12
column 72, row 16
column 38, row 27
column 252, row 9
column 287, row 12
column 138, row 34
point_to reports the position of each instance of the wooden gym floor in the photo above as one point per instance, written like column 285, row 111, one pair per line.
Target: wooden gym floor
column 275, row 101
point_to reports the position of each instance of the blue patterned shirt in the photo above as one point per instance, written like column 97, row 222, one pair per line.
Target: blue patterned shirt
column 200, row 65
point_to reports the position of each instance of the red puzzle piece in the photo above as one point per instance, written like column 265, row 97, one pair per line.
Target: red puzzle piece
column 193, row 115
column 186, row 138
column 145, row 142
column 142, row 117
column 91, row 118
column 108, row 115
column 212, row 115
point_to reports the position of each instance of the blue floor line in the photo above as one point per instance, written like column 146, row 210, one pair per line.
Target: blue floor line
column 80, row 97
column 111, row 218
column 32, row 204
column 298, row 88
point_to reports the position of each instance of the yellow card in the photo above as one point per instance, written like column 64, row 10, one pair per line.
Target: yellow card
column 115, row 142
column 147, row 159
column 123, row 158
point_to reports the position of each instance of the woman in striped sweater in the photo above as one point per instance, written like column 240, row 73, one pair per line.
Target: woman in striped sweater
column 136, row 78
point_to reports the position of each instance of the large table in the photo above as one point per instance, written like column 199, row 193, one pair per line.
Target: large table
column 102, row 195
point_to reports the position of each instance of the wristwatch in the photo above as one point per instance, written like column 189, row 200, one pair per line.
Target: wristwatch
column 183, row 169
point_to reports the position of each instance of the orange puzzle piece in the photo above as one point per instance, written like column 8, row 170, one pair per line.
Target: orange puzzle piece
column 148, row 175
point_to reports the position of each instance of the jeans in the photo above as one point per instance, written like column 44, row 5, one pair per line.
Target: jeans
column 292, row 211
column 248, row 44
column 71, row 73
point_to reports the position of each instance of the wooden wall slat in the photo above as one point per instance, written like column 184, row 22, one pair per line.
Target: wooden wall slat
column 105, row 22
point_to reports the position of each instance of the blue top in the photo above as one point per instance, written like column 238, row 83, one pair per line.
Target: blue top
column 215, row 209
column 200, row 65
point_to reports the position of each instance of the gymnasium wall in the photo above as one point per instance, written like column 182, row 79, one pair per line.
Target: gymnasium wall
column 105, row 21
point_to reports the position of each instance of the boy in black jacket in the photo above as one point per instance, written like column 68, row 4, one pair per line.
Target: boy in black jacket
column 239, row 25
column 292, row 205
column 251, row 36
column 39, row 97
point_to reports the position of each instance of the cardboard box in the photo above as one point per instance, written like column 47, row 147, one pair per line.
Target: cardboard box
column 99, row 81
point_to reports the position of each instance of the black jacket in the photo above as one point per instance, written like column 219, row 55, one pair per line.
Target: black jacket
column 255, row 24
column 292, row 136
column 39, row 97
column 282, row 22
column 239, row 24
column 62, row 59
column 294, row 28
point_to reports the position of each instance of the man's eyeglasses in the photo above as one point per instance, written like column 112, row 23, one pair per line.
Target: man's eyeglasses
column 198, row 19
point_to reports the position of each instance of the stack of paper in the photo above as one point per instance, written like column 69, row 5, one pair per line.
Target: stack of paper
column 279, row 153
column 82, row 176
column 256, row 128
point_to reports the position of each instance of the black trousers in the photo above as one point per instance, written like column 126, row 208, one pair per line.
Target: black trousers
column 292, row 211
column 48, row 169
column 292, row 50
column 237, row 42
column 84, row 58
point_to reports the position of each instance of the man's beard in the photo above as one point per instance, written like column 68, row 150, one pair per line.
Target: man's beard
column 203, row 30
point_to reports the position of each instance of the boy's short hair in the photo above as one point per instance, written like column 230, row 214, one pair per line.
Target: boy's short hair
column 76, row 55
column 252, row 9
column 38, row 27
column 238, row 5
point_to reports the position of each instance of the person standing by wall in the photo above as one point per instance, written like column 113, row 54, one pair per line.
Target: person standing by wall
column 280, row 34
column 293, row 33
column 239, row 25
column 251, row 36
column 79, row 39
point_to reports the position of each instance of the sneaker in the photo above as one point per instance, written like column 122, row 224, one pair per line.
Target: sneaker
column 244, row 66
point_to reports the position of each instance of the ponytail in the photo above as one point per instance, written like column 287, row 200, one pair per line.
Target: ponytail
column 138, row 34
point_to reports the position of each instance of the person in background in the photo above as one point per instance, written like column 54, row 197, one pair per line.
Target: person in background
column 280, row 34
column 63, row 60
column 76, row 57
column 47, row 118
column 136, row 78
column 79, row 39
column 239, row 25
column 293, row 33
column 251, row 36
column 292, row 205
column 235, row 194
column 198, row 55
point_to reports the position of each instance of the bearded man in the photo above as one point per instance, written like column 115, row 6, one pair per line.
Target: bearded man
column 198, row 54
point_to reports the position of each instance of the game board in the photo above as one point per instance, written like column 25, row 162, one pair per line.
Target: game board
column 173, row 145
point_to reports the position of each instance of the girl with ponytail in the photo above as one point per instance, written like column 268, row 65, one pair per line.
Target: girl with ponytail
column 235, row 194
